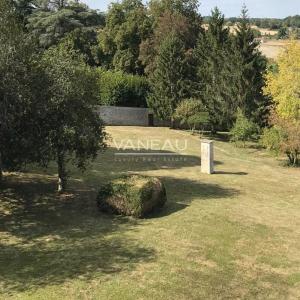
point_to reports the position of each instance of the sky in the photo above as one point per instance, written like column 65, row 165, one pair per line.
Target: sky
column 232, row 8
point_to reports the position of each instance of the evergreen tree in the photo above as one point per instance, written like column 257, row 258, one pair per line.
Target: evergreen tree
column 217, row 73
column 168, row 85
column 254, row 104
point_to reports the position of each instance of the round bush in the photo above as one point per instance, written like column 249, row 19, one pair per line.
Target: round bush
column 132, row 195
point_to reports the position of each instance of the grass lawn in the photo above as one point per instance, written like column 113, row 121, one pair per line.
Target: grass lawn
column 231, row 235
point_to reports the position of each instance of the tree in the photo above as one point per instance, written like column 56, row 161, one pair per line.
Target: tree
column 254, row 103
column 186, row 109
column 283, row 33
column 283, row 84
column 181, row 17
column 85, row 42
column 53, row 20
column 167, row 82
column 127, row 24
column 217, row 69
column 191, row 112
column 18, row 93
column 243, row 130
column 72, row 131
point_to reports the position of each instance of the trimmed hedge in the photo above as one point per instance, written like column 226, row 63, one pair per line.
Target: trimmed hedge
column 132, row 195
column 121, row 89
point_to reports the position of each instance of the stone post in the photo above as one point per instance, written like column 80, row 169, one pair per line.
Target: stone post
column 207, row 157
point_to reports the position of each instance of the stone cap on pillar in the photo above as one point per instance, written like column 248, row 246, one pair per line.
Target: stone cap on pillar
column 207, row 141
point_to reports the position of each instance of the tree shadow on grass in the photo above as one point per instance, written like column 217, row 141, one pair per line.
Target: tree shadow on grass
column 47, row 239
column 188, row 191
column 230, row 173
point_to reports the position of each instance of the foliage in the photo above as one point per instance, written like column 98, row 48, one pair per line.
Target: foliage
column 127, row 24
column 73, row 130
column 133, row 195
column 20, row 93
column 186, row 109
column 283, row 33
column 198, row 120
column 271, row 23
column 217, row 73
column 243, row 129
column 121, row 89
column 271, row 139
column 192, row 113
column 283, row 137
column 254, row 103
column 168, row 80
column 181, row 17
column 284, row 85
column 84, row 41
column 55, row 19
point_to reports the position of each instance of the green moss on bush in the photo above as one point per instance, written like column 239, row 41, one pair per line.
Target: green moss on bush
column 133, row 195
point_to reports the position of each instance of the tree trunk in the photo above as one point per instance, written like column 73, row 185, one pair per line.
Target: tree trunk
column 172, row 123
column 213, row 130
column 62, row 173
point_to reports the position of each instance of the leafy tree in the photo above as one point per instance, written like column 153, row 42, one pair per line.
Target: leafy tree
column 24, row 8
column 19, row 93
column 85, row 42
column 283, row 84
column 186, row 109
column 217, row 73
column 167, row 82
column 181, row 17
column 127, row 24
column 253, row 102
column 197, row 121
column 283, row 137
column 191, row 112
column 53, row 20
column 243, row 129
column 271, row 139
column 73, row 131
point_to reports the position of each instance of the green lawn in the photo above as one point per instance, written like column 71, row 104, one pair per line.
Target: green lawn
column 231, row 235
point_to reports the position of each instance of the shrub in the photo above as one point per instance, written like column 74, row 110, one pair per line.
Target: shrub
column 191, row 112
column 243, row 129
column 120, row 89
column 271, row 139
column 197, row 120
column 132, row 195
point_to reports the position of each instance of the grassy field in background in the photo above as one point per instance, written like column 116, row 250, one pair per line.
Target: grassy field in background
column 231, row 235
column 272, row 48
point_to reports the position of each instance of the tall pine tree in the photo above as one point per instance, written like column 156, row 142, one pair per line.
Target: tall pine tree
column 217, row 73
column 168, row 80
column 254, row 103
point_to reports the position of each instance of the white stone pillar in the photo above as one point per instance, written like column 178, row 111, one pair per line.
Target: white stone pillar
column 207, row 157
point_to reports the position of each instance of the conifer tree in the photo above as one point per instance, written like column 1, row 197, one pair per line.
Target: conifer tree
column 254, row 103
column 168, row 80
column 218, row 73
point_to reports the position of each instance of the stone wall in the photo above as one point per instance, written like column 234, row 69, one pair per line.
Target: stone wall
column 127, row 116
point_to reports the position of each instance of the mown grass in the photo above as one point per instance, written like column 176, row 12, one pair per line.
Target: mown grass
column 232, row 235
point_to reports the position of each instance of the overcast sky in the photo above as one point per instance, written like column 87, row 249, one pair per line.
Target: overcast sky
column 231, row 8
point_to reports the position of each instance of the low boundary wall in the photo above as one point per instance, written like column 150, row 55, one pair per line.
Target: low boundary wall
column 129, row 116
